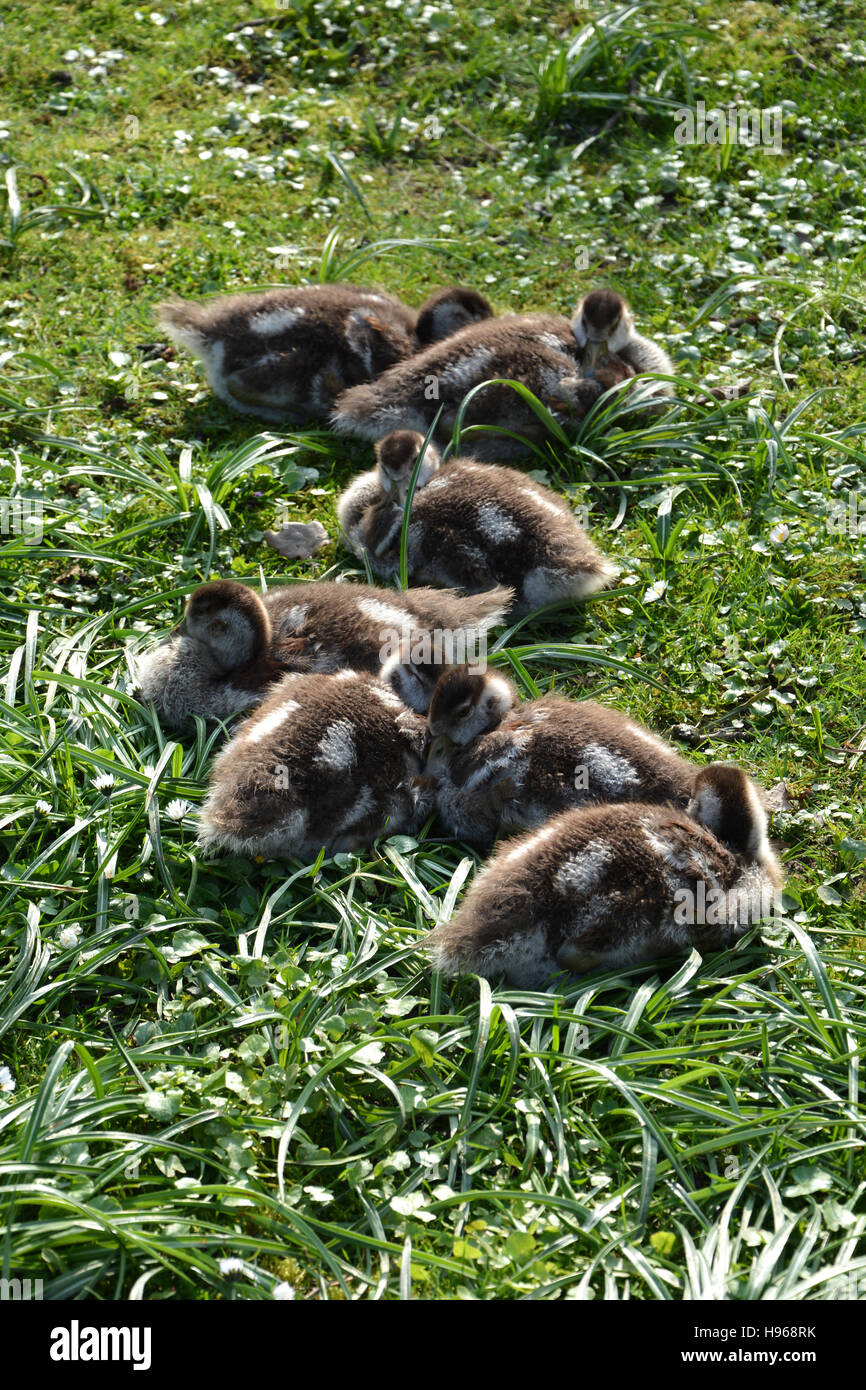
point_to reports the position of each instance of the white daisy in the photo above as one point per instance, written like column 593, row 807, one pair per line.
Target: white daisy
column 232, row 1266
column 69, row 938
column 655, row 591
column 7, row 1080
column 104, row 782
column 177, row 809
column 43, row 808
column 284, row 1293
column 779, row 533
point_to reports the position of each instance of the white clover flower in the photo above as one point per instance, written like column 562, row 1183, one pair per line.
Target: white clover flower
column 284, row 1293
column 779, row 533
column 69, row 938
column 655, row 591
column 7, row 1080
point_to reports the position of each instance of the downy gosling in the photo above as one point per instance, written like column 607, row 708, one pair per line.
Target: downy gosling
column 232, row 644
column 612, row 886
column 500, row 765
column 326, row 761
column 566, row 365
column 289, row 353
column 473, row 526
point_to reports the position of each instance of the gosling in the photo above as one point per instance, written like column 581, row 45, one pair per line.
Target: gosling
column 289, row 353
column 500, row 765
column 566, row 365
column 232, row 645
column 473, row 526
column 612, row 886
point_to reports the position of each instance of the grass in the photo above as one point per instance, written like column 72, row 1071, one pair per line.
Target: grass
column 224, row 1061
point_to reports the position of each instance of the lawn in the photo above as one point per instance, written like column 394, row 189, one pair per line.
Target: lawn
column 222, row 1079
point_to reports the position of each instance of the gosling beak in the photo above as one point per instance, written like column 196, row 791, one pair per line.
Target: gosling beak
column 597, row 349
column 437, row 750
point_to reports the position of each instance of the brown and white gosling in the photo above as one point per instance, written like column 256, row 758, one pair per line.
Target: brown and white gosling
column 615, row 885
column 566, row 365
column 326, row 761
column 232, row 644
column 473, row 526
column 500, row 765
column 291, row 352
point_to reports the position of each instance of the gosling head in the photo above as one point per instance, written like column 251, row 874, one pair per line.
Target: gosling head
column 230, row 620
column 602, row 325
column 413, row 681
column 729, row 804
column 447, row 311
column 464, row 705
column 396, row 456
